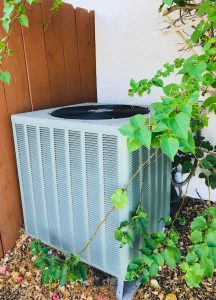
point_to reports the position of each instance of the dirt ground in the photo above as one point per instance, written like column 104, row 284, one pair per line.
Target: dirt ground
column 22, row 281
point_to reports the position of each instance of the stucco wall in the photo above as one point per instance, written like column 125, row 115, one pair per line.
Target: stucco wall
column 130, row 44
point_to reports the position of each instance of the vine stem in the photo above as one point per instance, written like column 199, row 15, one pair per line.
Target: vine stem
column 97, row 229
column 139, row 169
column 180, row 208
column 113, row 208
column 177, row 7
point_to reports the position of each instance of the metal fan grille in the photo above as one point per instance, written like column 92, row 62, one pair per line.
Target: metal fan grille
column 99, row 112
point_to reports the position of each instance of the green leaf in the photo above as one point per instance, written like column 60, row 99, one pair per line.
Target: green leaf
column 212, row 255
column 197, row 70
column 153, row 270
column 5, row 77
column 199, row 223
column 209, row 101
column 118, row 234
column 158, row 82
column 144, row 136
column 169, row 146
column 138, row 121
column 194, row 276
column 132, row 267
column 201, row 250
column 23, row 20
column 45, row 276
column 196, row 236
column 171, row 90
column 176, row 253
column 174, row 236
column 189, row 144
column 146, row 251
column 8, row 10
column 184, row 267
column 191, row 258
column 127, row 130
column 160, row 127
column 180, row 125
column 63, row 279
column 194, row 97
column 208, row 265
column 133, row 145
column 168, row 2
column 169, row 258
column 159, row 258
column 148, row 260
column 159, row 236
column 144, row 276
column 119, row 198
column 210, row 238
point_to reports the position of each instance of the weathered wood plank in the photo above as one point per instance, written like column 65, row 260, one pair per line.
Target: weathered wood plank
column 11, row 215
column 86, row 44
column 17, row 94
column 71, row 54
column 35, row 52
column 55, row 55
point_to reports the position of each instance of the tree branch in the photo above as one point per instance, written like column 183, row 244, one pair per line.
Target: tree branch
column 177, row 7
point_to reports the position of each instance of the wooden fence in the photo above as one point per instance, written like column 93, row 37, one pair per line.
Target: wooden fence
column 50, row 67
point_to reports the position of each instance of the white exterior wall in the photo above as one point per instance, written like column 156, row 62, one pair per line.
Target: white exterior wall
column 130, row 44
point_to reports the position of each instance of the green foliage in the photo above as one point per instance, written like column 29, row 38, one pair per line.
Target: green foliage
column 179, row 114
column 5, row 77
column 119, row 198
column 54, row 269
column 160, row 249
column 128, row 231
column 201, row 261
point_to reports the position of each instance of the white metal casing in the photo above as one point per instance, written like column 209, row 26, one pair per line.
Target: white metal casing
column 68, row 170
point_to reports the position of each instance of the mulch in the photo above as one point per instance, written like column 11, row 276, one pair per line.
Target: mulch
column 169, row 285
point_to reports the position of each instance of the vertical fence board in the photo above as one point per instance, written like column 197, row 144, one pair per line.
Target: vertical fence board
column 93, row 55
column 36, row 59
column 86, row 45
column 55, row 55
column 11, row 216
column 17, row 94
column 71, row 54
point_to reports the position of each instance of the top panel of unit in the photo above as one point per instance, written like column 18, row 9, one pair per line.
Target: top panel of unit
column 82, row 115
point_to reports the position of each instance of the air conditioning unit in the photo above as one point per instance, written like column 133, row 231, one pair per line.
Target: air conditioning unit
column 70, row 161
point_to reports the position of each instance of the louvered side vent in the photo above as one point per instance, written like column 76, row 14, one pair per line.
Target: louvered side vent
column 94, row 197
column 111, row 183
column 151, row 185
column 37, row 183
column 25, row 179
column 77, row 186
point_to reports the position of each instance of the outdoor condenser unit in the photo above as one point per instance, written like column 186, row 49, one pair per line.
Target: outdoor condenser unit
column 69, row 163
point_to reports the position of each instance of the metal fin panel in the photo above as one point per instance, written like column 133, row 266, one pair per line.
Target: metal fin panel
column 37, row 184
column 46, row 141
column 26, row 186
column 111, row 183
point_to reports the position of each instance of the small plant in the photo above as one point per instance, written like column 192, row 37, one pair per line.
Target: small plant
column 54, row 269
